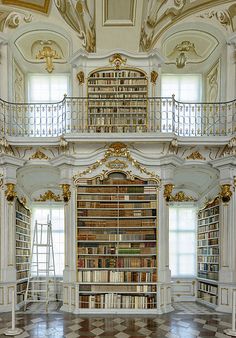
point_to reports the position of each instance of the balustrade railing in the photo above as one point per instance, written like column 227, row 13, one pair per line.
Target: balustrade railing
column 160, row 115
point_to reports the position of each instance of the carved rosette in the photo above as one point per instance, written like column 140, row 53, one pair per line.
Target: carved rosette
column 225, row 193
column 66, row 193
column 168, row 188
column 10, row 193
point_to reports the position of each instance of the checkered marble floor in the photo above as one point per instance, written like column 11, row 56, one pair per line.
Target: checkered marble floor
column 176, row 324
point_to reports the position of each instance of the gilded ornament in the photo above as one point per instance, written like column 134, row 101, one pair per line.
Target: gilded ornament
column 48, row 54
column 49, row 196
column 80, row 77
column 81, row 18
column 117, row 61
column 23, row 201
column 181, row 197
column 196, row 156
column 39, row 155
column 116, row 150
column 168, row 191
column 66, row 193
column 11, row 19
column 225, row 193
column 116, row 164
column 10, row 193
column 222, row 16
column 154, row 76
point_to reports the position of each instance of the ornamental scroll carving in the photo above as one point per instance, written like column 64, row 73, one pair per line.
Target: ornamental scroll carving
column 81, row 18
column 116, row 150
column 12, row 19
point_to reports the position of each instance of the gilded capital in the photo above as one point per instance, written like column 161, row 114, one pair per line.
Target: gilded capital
column 10, row 193
column 225, row 193
column 168, row 191
column 66, row 193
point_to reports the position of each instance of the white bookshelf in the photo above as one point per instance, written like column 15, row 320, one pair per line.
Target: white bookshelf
column 117, row 100
column 23, row 247
column 208, row 255
column 116, row 245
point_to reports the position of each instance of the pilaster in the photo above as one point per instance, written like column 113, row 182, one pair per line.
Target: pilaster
column 9, row 166
column 227, row 273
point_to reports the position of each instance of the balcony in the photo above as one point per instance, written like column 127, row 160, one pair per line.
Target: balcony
column 161, row 115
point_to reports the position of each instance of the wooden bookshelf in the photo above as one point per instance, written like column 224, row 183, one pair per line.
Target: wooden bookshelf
column 117, row 244
column 23, row 247
column 117, row 100
column 208, row 252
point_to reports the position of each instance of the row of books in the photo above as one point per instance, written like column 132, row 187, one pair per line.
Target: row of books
column 108, row 276
column 22, row 259
column 209, row 227
column 100, row 196
column 208, row 275
column 22, row 217
column 116, row 89
column 208, row 251
column 117, row 288
column 22, row 252
column 208, row 220
column 24, row 245
column 117, row 73
column 114, row 237
column 208, row 267
column 116, row 301
column 116, row 111
column 116, row 262
column 117, row 223
column 208, row 259
column 21, row 274
column 103, row 249
column 208, row 287
column 207, row 242
column 20, row 207
column 94, row 103
column 133, row 189
column 116, row 213
column 207, row 297
column 22, row 237
column 22, row 266
column 114, row 181
column 117, row 205
column 206, row 235
column 208, row 212
column 22, row 228
column 117, row 129
column 116, row 81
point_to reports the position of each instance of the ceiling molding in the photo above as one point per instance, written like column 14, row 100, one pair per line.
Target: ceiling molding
column 38, row 5
column 118, row 21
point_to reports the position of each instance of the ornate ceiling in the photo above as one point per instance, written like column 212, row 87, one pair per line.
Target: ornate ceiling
column 37, row 5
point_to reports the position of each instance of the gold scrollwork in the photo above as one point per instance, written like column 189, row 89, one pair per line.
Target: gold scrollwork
column 80, row 77
column 39, row 155
column 117, row 60
column 117, row 149
column 66, row 193
column 181, row 197
column 154, row 76
column 10, row 193
column 225, row 193
column 196, row 156
column 168, row 191
column 49, row 196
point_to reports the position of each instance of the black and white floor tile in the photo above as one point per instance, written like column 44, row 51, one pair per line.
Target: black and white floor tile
column 187, row 321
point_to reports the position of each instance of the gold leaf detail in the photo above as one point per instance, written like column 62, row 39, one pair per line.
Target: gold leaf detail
column 117, row 60
column 196, row 156
column 39, row 155
column 181, row 197
column 49, row 196
column 116, row 164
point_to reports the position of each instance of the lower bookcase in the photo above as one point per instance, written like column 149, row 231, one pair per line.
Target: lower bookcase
column 117, row 247
column 207, row 292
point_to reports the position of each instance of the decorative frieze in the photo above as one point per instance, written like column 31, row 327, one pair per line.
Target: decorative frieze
column 48, row 196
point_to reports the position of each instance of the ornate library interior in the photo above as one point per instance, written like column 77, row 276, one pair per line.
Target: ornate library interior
column 118, row 168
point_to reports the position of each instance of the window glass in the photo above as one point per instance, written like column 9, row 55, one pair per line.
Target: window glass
column 182, row 241
column 56, row 214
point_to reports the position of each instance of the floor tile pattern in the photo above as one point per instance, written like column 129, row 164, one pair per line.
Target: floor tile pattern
column 187, row 321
